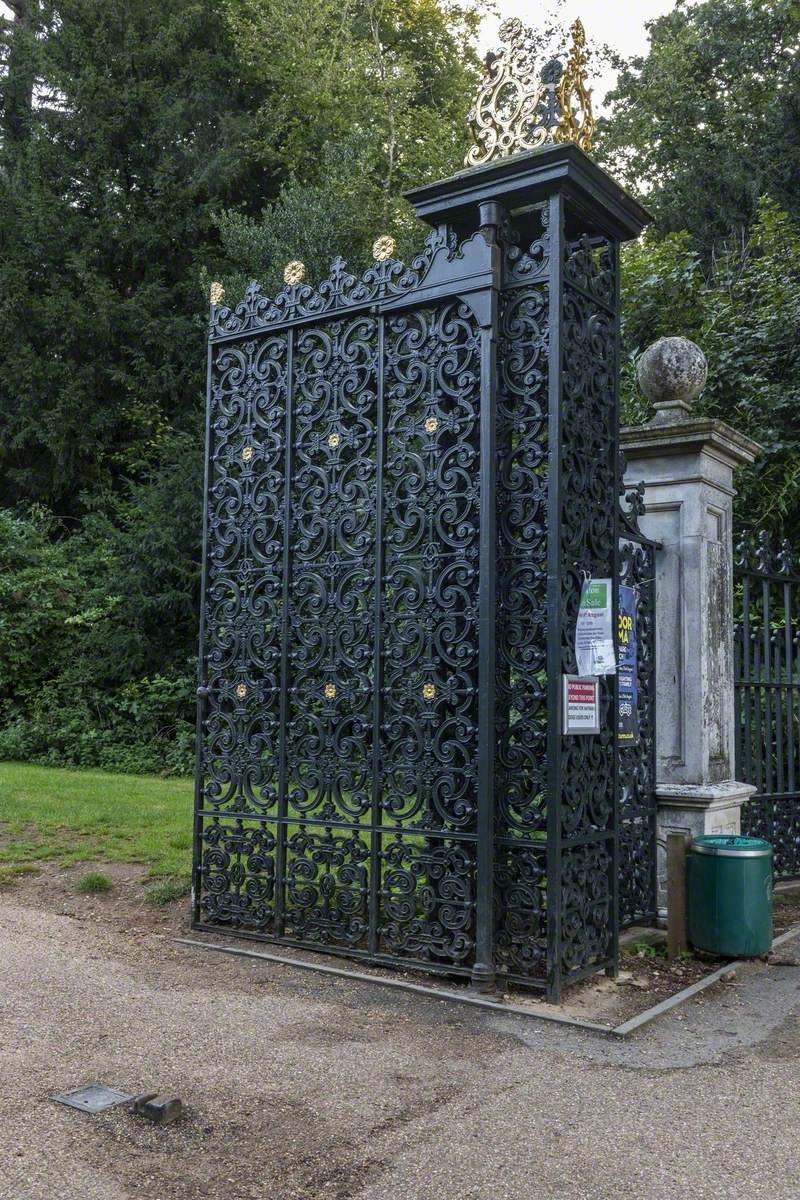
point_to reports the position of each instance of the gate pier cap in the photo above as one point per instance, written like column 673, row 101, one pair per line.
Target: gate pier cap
column 529, row 178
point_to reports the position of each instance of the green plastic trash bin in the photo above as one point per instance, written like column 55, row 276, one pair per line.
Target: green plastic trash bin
column 729, row 895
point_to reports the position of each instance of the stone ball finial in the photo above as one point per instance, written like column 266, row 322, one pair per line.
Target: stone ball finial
column 672, row 373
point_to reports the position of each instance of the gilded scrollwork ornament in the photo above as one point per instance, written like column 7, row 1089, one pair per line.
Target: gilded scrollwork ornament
column 577, row 121
column 524, row 103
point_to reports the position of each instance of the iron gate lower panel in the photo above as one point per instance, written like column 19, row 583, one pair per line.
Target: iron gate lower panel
column 342, row 734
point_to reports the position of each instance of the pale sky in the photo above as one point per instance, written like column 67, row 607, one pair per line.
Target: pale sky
column 619, row 23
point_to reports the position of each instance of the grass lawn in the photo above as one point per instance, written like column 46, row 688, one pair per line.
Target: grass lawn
column 82, row 816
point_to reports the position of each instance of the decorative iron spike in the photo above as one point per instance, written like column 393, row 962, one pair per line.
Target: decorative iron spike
column 522, row 104
column 786, row 559
column 744, row 551
column 764, row 552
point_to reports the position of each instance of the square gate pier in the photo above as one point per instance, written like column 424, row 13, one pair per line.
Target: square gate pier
column 409, row 475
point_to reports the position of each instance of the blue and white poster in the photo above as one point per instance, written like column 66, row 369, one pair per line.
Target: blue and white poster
column 628, row 716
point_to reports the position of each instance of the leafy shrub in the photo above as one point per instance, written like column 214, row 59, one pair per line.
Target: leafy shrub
column 88, row 677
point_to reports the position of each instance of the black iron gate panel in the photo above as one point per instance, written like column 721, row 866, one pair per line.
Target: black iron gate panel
column 409, row 474
column 638, row 881
column 337, row 803
column 767, row 690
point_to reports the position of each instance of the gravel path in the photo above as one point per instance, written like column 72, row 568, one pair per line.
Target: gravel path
column 302, row 1086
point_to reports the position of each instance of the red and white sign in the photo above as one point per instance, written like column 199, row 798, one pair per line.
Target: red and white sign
column 581, row 704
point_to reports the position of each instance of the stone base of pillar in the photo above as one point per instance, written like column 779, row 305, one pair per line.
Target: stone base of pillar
column 696, row 809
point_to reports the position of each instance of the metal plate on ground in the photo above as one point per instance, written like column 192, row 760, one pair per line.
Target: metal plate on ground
column 92, row 1097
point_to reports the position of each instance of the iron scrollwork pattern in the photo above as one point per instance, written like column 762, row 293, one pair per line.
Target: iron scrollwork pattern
column 340, row 782
column 767, row 694
column 637, row 762
column 339, row 746
column 243, row 632
column 330, row 631
column 429, row 633
column 589, row 489
column 521, row 681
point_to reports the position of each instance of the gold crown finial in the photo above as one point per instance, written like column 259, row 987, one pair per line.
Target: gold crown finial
column 523, row 104
column 216, row 293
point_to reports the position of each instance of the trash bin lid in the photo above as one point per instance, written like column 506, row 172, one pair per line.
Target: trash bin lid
column 734, row 847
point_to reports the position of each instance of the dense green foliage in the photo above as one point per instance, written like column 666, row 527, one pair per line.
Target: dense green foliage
column 364, row 102
column 710, row 120
column 143, row 151
column 146, row 150
column 744, row 310
column 706, row 129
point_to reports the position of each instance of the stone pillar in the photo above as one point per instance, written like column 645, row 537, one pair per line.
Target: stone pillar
column 688, row 464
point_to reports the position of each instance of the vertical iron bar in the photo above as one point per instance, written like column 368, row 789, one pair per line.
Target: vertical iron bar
column 280, row 833
column 202, row 688
column 780, row 774
column 769, row 737
column 747, row 690
column 377, row 662
column 758, row 778
column 738, row 756
column 483, row 972
column 614, row 864
column 554, row 601
column 789, row 672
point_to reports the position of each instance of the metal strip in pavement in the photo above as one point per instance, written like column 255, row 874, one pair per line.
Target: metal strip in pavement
column 623, row 1030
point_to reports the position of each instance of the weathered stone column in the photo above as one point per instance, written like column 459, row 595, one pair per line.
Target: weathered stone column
column 687, row 464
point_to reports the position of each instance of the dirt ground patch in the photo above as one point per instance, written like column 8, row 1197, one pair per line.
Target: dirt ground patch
column 126, row 915
column 299, row 1086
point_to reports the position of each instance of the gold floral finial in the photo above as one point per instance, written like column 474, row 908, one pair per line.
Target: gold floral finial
column 216, row 293
column 573, row 94
column 523, row 103
column 294, row 272
column 384, row 247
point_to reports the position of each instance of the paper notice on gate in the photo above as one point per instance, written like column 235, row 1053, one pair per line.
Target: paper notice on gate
column 594, row 640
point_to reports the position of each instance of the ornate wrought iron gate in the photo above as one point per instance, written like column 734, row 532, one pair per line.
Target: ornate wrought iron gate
column 638, row 882
column 408, row 475
column 767, row 687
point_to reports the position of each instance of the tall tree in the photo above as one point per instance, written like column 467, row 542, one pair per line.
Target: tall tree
column 366, row 98
column 744, row 310
column 137, row 143
column 709, row 121
column 19, row 73
column 137, row 129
